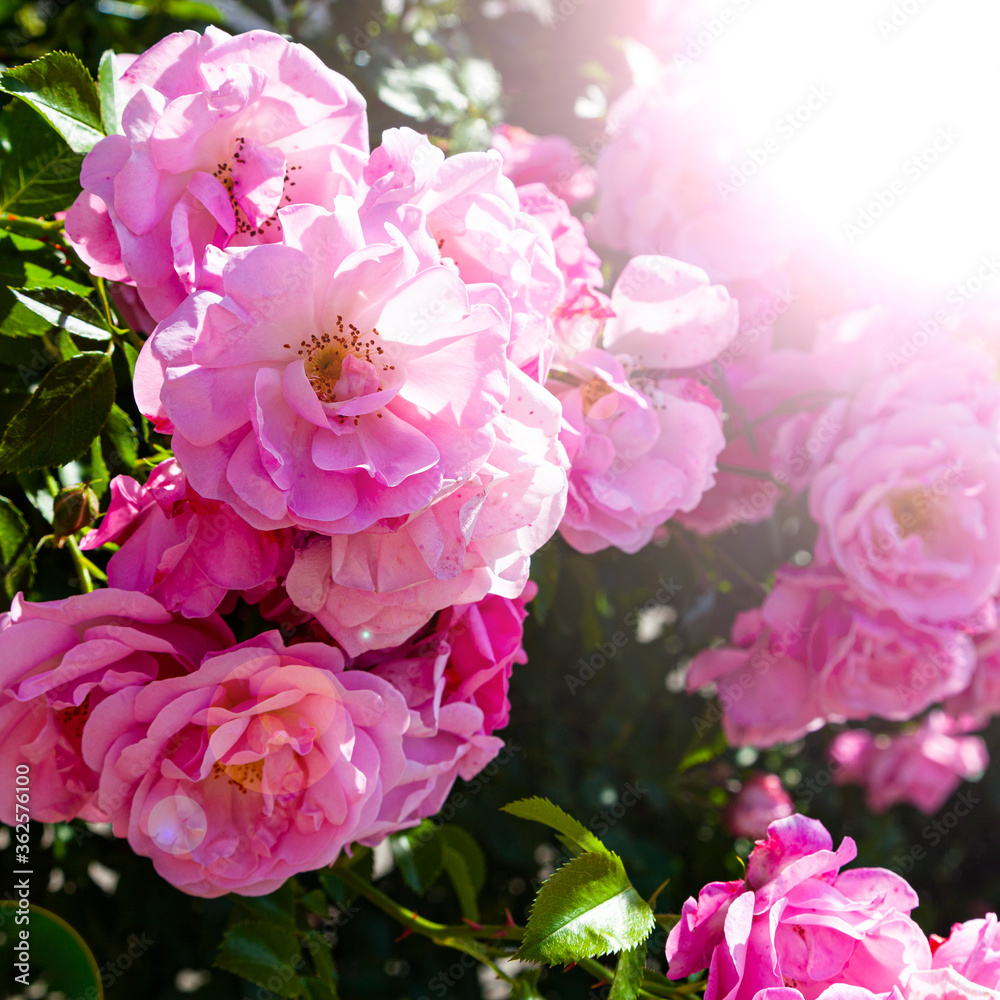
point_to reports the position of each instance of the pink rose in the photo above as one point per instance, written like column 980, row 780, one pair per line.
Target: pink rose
column 942, row 984
column 981, row 699
column 376, row 588
column 909, row 510
column 797, row 921
column 923, row 768
column 59, row 661
column 219, row 133
column 636, row 457
column 760, row 801
column 551, row 160
column 264, row 762
column 306, row 387
column 973, row 949
column 462, row 211
column 836, row 657
column 185, row 551
column 454, row 677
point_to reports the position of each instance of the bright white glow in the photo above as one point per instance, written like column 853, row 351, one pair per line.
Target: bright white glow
column 908, row 130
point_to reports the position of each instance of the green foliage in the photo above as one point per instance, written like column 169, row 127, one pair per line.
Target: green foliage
column 15, row 549
column 61, row 90
column 466, row 867
column 628, row 974
column 574, row 834
column 419, row 854
column 65, row 310
column 65, row 413
column 586, row 908
column 107, row 90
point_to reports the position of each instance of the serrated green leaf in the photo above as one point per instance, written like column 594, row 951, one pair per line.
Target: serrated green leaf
column 40, row 174
column 64, row 309
column 65, row 413
column 586, row 908
column 107, row 91
column 257, row 950
column 628, row 974
column 418, row 855
column 60, row 89
column 15, row 549
column 543, row 811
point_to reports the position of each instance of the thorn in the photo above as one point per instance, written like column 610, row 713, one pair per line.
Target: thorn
column 472, row 924
column 406, row 933
column 510, row 919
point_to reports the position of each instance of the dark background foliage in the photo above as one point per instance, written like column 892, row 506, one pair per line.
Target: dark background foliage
column 598, row 723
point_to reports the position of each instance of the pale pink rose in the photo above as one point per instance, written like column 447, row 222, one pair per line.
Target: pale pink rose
column 185, row 551
column 464, row 212
column 129, row 304
column 329, row 382
column 265, row 762
column 376, row 588
column 760, row 801
column 834, row 656
column 454, row 676
column 797, row 921
column 219, row 132
column 665, row 184
column 922, row 768
column 551, row 160
column 943, row 984
column 578, row 322
column 973, row 949
column 636, row 456
column 909, row 509
column 981, row 699
column 58, row 661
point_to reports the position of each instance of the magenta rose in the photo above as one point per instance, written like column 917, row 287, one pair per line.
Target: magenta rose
column 59, row 661
column 797, row 921
column 454, row 676
column 973, row 950
column 922, row 768
column 219, row 133
column 636, row 456
column 760, row 802
column 264, row 762
column 185, row 551
column 551, row 160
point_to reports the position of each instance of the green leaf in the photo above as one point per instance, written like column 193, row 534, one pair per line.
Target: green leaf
column 40, row 174
column 60, row 89
column 628, row 974
column 65, row 413
column 64, row 309
column 542, row 811
column 121, row 443
column 15, row 549
column 466, row 867
column 586, row 908
column 259, row 951
column 107, row 91
column 701, row 751
column 424, row 92
column 131, row 355
column 418, row 854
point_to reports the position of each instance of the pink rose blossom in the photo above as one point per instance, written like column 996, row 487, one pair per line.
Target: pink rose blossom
column 942, row 984
column 760, row 801
column 328, row 382
column 219, row 132
column 797, row 921
column 59, row 660
column 185, row 551
column 546, row 159
column 981, row 699
column 376, row 588
column 909, row 510
column 463, row 212
column 454, row 676
column 836, row 657
column 923, row 768
column 264, row 762
column 636, row 457
column 973, row 949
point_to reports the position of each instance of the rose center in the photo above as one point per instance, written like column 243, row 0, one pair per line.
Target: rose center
column 594, row 390
column 911, row 512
